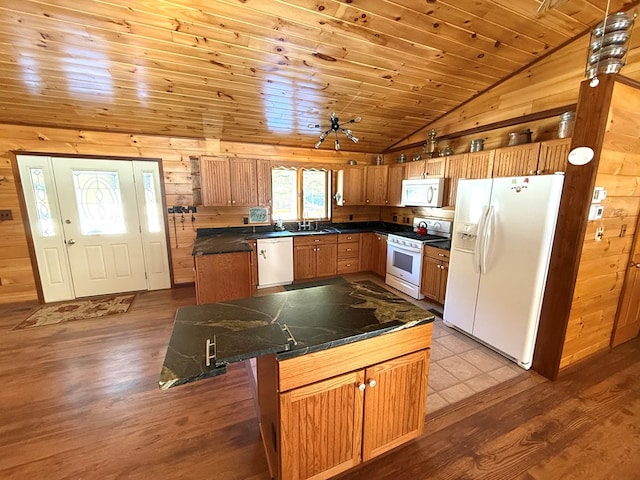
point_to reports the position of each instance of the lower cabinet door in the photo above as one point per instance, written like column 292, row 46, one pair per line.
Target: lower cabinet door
column 304, row 262
column 321, row 428
column 395, row 398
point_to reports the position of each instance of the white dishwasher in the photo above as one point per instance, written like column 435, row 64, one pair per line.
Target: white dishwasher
column 275, row 261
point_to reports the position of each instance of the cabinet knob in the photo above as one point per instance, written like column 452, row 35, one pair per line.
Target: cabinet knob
column 228, row 201
column 637, row 265
column 372, row 383
column 361, row 387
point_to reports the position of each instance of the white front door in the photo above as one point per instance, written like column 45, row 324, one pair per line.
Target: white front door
column 97, row 225
column 101, row 225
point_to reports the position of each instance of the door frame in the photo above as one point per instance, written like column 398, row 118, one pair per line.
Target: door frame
column 13, row 156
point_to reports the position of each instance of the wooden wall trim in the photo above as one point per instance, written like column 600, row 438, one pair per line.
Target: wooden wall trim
column 591, row 118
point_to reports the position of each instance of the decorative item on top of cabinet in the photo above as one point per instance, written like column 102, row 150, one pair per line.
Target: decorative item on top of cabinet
column 228, row 182
column 348, row 253
column 315, row 256
column 516, row 161
column 435, row 270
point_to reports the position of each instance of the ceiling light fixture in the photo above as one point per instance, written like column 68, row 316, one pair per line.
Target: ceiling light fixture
column 335, row 128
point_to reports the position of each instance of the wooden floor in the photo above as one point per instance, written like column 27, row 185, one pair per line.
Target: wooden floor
column 81, row 401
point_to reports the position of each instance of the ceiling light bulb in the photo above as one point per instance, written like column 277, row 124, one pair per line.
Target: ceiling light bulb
column 318, row 143
column 354, row 139
column 337, row 145
column 594, row 82
column 313, row 125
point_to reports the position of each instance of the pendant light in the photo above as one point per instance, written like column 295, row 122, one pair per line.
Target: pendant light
column 335, row 128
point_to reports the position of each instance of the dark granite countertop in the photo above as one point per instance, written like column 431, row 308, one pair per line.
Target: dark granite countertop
column 211, row 241
column 317, row 318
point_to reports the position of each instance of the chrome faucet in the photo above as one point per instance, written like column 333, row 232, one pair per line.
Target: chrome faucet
column 305, row 224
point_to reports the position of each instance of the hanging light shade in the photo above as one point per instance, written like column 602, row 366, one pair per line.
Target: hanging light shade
column 335, row 128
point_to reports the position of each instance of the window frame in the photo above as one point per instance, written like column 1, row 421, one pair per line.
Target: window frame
column 300, row 192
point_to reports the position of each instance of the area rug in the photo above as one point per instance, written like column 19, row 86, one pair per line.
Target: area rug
column 78, row 310
column 315, row 283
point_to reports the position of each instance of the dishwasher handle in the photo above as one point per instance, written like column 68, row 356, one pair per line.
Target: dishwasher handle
column 263, row 253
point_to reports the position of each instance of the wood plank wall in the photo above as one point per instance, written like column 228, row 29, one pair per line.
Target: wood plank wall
column 603, row 263
column 17, row 282
column 551, row 83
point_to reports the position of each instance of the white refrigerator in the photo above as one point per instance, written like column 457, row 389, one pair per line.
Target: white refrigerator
column 500, row 248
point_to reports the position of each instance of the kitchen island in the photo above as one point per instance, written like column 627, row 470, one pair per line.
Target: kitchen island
column 341, row 370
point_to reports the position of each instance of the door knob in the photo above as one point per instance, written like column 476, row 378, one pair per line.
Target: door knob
column 71, row 241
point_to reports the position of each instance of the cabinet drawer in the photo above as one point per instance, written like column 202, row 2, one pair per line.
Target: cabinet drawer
column 348, row 265
column 315, row 240
column 348, row 250
column 437, row 253
column 348, row 237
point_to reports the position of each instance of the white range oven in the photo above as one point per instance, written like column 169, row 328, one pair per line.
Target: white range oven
column 404, row 254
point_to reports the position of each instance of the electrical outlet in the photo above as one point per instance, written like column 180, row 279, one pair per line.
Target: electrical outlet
column 6, row 215
column 245, row 220
column 350, row 217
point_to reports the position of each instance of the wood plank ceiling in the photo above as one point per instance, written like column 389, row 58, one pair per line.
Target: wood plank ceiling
column 262, row 70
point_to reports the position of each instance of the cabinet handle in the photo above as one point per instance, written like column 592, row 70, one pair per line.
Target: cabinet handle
column 637, row 265
column 317, row 240
column 349, row 249
column 361, row 387
column 349, row 237
column 372, row 383
column 348, row 264
column 441, row 254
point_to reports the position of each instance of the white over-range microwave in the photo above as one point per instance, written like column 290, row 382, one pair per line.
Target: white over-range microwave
column 423, row 192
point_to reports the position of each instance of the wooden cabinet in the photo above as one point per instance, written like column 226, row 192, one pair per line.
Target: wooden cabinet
column 348, row 253
column 516, row 161
column 222, row 277
column 435, row 269
column 373, row 253
column 325, row 412
column 315, row 256
column 253, row 260
column 432, row 167
column 228, row 182
column 350, row 186
column 380, row 263
column 466, row 165
column 554, row 155
column 395, row 175
column 376, row 182
column 263, row 172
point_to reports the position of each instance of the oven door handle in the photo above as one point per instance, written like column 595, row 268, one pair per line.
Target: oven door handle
column 406, row 249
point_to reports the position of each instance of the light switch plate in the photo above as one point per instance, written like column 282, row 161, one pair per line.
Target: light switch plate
column 599, row 194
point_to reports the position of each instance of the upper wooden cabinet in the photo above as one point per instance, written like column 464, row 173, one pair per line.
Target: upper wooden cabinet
column 376, row 183
column 466, row 165
column 516, row 161
column 229, row 182
column 553, row 156
column 350, row 186
column 432, row 167
column 395, row 174
column 264, row 182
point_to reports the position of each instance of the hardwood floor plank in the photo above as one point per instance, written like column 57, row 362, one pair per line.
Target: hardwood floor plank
column 81, row 400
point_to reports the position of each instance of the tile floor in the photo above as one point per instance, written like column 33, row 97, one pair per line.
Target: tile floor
column 461, row 367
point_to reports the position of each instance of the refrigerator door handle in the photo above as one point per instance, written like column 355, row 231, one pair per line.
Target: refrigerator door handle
column 487, row 234
column 479, row 244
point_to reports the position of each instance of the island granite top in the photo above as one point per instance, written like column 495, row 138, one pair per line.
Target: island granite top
column 288, row 324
